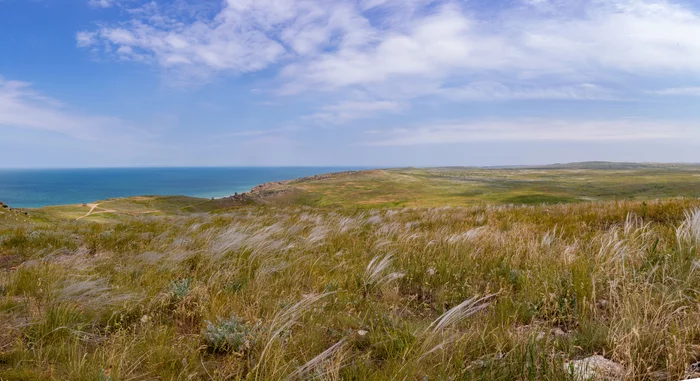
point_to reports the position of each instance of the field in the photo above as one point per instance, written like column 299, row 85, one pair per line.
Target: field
column 478, row 186
column 402, row 274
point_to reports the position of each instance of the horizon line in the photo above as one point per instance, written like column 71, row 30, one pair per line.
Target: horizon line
column 353, row 166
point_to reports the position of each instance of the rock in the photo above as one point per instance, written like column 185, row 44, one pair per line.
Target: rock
column 693, row 371
column 559, row 333
column 660, row 375
column 362, row 338
column 595, row 368
column 695, row 367
column 485, row 361
column 239, row 197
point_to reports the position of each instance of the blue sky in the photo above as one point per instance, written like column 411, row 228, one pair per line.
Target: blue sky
column 87, row 83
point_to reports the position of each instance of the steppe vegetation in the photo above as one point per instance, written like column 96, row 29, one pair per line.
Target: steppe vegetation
column 458, row 186
column 278, row 291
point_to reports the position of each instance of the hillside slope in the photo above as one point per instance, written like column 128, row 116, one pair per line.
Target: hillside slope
column 269, row 293
column 490, row 274
column 474, row 186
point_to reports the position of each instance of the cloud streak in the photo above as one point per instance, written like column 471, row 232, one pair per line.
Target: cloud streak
column 529, row 130
column 683, row 91
column 101, row 3
column 496, row 91
column 23, row 107
column 346, row 111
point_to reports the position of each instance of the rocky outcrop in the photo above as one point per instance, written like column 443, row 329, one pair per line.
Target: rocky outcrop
column 600, row 368
column 237, row 199
column 265, row 187
column 323, row 176
column 263, row 192
column 4, row 208
column 258, row 195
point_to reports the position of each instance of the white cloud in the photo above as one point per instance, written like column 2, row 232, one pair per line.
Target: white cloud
column 689, row 91
column 85, row 39
column 536, row 130
column 495, row 91
column 395, row 51
column 632, row 37
column 276, row 132
column 351, row 110
column 433, row 48
column 102, row 3
column 333, row 44
column 243, row 36
column 643, row 37
column 22, row 107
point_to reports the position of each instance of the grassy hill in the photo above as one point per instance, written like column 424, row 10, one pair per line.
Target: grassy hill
column 445, row 273
column 117, row 209
column 480, row 186
column 124, row 208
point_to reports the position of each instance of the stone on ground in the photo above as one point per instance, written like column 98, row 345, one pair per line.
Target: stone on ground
column 595, row 368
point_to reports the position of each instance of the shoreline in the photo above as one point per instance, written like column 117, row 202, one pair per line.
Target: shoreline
column 252, row 193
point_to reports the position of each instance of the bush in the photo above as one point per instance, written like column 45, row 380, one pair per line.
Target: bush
column 229, row 335
column 180, row 288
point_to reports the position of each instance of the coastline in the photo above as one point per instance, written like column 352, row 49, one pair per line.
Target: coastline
column 275, row 188
column 33, row 189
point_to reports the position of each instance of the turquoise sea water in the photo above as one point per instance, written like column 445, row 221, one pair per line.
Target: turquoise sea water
column 32, row 188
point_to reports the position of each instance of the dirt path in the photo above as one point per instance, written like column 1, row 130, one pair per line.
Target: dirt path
column 92, row 211
column 96, row 205
column 92, row 208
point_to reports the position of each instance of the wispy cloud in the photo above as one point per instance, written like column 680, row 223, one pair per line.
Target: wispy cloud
column 688, row 91
column 496, row 91
column 107, row 3
column 101, row 3
column 261, row 132
column 396, row 53
column 534, row 130
column 334, row 44
column 346, row 111
column 23, row 107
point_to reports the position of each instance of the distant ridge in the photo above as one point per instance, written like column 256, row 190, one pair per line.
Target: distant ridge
column 608, row 165
column 576, row 165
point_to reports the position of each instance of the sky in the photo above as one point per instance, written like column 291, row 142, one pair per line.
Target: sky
column 104, row 83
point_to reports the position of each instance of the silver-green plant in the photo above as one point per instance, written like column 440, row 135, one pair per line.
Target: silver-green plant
column 231, row 335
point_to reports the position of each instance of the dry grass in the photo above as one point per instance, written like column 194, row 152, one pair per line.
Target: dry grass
column 486, row 292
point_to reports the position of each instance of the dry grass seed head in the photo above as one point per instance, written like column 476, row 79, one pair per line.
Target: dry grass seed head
column 377, row 272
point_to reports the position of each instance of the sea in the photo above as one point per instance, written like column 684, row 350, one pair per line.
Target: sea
column 34, row 188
